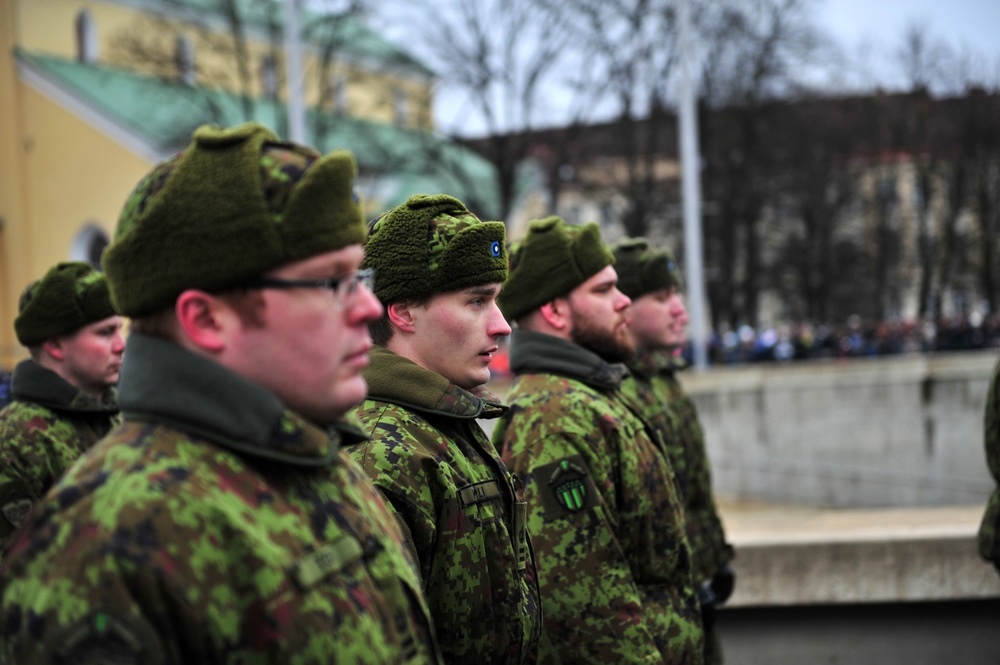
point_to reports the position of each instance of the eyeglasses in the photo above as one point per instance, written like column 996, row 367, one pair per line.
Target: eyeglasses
column 344, row 288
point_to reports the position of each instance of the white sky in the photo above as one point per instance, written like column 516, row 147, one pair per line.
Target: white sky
column 868, row 31
column 877, row 26
column 975, row 22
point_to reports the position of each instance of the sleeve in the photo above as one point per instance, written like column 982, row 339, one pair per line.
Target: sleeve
column 989, row 530
column 592, row 606
column 25, row 472
column 703, row 525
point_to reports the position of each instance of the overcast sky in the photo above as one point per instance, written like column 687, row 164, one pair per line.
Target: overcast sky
column 877, row 26
column 974, row 22
column 868, row 31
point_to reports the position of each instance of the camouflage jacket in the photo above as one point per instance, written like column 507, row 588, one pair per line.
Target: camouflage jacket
column 989, row 530
column 213, row 526
column 605, row 518
column 463, row 510
column 43, row 431
column 670, row 410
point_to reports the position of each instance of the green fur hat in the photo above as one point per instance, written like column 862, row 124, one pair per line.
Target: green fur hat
column 69, row 296
column 552, row 260
column 433, row 244
column 234, row 204
column 643, row 268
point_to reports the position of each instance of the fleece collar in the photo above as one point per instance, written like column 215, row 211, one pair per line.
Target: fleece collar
column 33, row 383
column 393, row 378
column 532, row 352
column 161, row 382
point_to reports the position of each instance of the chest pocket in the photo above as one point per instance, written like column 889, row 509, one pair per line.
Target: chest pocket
column 312, row 567
column 489, row 490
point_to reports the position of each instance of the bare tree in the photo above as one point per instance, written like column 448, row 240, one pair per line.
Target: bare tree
column 922, row 59
column 629, row 47
column 754, row 50
column 497, row 61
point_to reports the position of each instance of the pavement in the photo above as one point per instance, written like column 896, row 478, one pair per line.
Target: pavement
column 795, row 555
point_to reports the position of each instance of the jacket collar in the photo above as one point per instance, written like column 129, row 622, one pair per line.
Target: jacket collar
column 534, row 352
column 393, row 378
column 164, row 383
column 33, row 383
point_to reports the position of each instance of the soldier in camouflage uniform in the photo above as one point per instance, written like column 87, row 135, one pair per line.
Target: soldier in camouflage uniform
column 64, row 395
column 659, row 322
column 439, row 272
column 989, row 530
column 605, row 514
column 224, row 522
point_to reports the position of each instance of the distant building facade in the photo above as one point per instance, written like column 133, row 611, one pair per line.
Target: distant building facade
column 93, row 92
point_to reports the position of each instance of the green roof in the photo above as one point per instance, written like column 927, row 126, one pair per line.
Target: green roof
column 348, row 32
column 396, row 161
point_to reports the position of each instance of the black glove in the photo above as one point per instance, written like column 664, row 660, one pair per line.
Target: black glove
column 707, row 601
column 722, row 584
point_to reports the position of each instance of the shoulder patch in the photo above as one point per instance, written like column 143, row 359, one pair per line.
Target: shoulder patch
column 565, row 487
column 105, row 636
column 15, row 504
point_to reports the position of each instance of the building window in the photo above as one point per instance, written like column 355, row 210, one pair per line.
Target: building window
column 338, row 93
column 184, row 59
column 400, row 107
column 88, row 245
column 86, row 38
column 269, row 76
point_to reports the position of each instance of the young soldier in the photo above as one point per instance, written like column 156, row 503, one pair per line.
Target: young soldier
column 606, row 520
column 440, row 270
column 659, row 327
column 64, row 396
column 224, row 522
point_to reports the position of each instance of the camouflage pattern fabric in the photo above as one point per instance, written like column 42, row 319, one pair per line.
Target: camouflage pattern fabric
column 672, row 417
column 214, row 526
column 604, row 513
column 42, row 432
column 989, row 530
column 462, row 509
column 686, row 449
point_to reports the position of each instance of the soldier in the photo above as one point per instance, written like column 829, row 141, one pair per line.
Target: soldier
column 440, row 270
column 64, row 395
column 223, row 522
column 989, row 530
column 659, row 323
column 605, row 516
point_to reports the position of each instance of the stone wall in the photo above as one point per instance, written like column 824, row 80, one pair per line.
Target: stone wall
column 893, row 431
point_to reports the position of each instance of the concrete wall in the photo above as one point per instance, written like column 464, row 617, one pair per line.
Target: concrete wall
column 897, row 431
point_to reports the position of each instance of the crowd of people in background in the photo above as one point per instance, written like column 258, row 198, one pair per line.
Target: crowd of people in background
column 854, row 338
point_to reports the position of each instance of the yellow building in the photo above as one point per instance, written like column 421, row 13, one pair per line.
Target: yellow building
column 94, row 92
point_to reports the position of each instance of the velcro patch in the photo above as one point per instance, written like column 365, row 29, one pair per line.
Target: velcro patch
column 480, row 492
column 313, row 566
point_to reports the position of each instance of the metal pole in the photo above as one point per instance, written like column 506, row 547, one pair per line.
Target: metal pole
column 293, row 73
column 691, row 188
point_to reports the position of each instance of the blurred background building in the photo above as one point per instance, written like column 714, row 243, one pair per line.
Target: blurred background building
column 92, row 93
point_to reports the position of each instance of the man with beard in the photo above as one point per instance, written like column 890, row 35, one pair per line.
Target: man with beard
column 64, row 394
column 604, row 513
column 650, row 277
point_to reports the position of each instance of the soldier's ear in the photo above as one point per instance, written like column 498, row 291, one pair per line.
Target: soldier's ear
column 556, row 313
column 204, row 319
column 54, row 348
column 401, row 315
